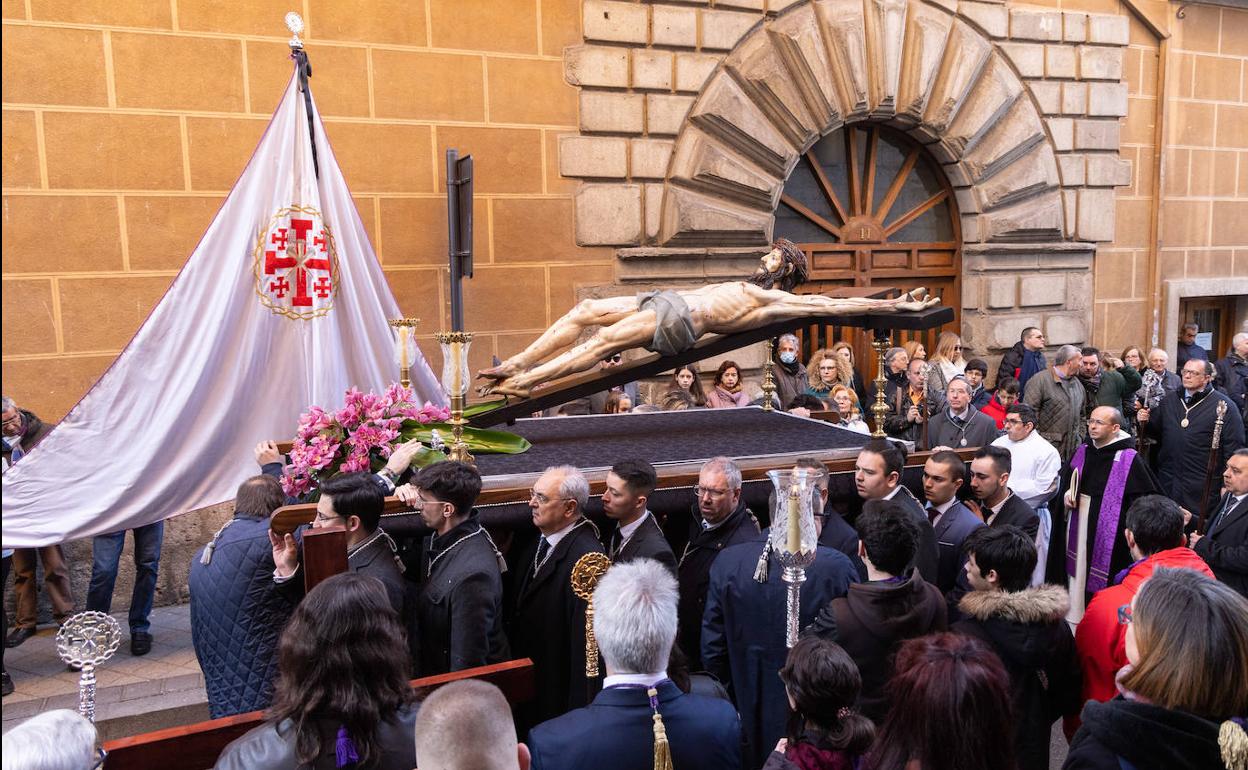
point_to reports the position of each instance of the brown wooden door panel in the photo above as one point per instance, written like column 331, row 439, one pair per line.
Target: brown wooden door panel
column 866, row 179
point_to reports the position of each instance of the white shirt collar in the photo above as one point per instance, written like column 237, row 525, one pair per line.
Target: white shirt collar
column 997, row 508
column 945, row 506
column 645, row 680
column 627, row 531
column 561, row 534
column 892, row 494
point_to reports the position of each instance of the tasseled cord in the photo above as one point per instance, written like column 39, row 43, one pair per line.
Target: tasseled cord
column 1234, row 744
column 206, row 557
column 760, row 571
column 345, row 748
column 662, row 751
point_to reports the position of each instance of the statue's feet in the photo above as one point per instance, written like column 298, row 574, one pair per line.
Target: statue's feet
column 501, row 372
column 503, row 387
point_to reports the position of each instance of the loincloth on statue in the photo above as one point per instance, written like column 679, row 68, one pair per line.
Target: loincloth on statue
column 673, row 323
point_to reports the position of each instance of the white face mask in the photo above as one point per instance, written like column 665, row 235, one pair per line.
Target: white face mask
column 788, row 357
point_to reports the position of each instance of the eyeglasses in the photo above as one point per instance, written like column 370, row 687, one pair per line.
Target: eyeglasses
column 331, row 517
column 615, row 359
column 543, row 499
column 13, row 422
column 1093, row 421
column 957, row 347
column 714, row 494
column 1008, row 421
column 100, row 755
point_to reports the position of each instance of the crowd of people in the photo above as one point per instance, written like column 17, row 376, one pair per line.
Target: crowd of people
column 1088, row 566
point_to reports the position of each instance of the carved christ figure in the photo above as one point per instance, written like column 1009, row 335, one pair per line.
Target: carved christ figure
column 668, row 322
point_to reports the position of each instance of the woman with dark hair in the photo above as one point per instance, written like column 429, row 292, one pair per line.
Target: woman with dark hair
column 618, row 402
column 951, row 709
column 726, row 391
column 343, row 699
column 686, row 378
column 1184, row 692
column 824, row 733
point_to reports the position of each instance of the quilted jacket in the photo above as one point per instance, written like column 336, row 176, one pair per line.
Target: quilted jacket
column 237, row 616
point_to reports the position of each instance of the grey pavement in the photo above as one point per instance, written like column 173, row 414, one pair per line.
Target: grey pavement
column 133, row 694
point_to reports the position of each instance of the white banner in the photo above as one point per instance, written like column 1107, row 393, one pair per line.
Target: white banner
column 282, row 305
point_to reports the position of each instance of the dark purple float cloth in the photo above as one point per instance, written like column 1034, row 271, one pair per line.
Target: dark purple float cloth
column 599, row 441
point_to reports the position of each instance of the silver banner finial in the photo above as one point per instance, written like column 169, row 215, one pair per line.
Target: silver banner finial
column 86, row 640
column 294, row 22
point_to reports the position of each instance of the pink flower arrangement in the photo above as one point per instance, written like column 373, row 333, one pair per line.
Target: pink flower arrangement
column 358, row 437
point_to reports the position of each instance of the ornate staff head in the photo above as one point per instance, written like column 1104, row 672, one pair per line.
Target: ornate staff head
column 585, row 575
column 294, row 23
column 85, row 641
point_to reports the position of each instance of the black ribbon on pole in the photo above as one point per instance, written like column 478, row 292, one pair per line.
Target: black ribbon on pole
column 304, row 69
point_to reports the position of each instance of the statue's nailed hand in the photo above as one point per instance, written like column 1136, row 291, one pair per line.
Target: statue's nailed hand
column 402, row 456
column 285, row 553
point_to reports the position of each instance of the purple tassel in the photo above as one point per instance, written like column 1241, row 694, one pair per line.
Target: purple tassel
column 347, row 755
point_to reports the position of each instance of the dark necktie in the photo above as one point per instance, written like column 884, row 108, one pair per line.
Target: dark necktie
column 1230, row 503
column 932, row 513
column 17, row 454
column 543, row 548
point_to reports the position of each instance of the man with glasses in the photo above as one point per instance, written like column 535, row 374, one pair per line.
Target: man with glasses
column 1036, row 465
column 959, row 424
column 23, row 431
column 546, row 621
column 353, row 501
column 1111, row 476
column 459, row 609
column 598, row 401
column 1183, row 424
column 720, row 519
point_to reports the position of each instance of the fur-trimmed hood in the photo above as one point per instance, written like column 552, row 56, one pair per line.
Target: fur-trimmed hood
column 1026, row 628
column 1042, row 604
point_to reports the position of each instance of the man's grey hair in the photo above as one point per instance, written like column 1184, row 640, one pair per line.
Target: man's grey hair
column 7, row 404
column 1159, row 352
column 574, row 485
column 1241, row 452
column 724, row 465
column 1192, row 327
column 1065, row 353
column 958, row 378
column 791, row 338
column 466, row 724
column 1238, row 338
column 54, row 740
column 891, row 354
column 635, row 616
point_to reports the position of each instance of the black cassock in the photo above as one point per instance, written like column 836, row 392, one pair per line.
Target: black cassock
column 1183, row 452
column 1096, row 467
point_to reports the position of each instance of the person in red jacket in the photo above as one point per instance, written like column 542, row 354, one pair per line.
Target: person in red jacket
column 1154, row 531
column 1005, row 395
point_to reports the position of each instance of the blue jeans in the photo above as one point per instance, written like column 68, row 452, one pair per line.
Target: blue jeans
column 106, row 551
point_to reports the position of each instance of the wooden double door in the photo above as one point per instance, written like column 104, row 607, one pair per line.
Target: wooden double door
column 870, row 207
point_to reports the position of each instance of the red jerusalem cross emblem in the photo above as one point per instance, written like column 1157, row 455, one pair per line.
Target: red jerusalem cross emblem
column 297, row 264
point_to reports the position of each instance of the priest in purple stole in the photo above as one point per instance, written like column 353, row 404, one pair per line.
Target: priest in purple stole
column 1103, row 478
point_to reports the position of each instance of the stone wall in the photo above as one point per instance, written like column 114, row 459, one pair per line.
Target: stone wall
column 126, row 123
column 1202, row 232
column 692, row 118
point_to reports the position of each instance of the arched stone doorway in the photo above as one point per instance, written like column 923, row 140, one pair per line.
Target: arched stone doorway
column 871, row 207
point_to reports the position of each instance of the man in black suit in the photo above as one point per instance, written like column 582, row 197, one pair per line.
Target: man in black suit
column 635, row 624
column 877, row 476
column 720, row 520
column 1224, row 547
column 637, row 535
column 994, row 502
column 353, row 501
column 953, row 522
column 459, row 609
column 547, row 620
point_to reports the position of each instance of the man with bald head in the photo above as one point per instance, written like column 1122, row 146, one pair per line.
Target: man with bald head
column 960, row 424
column 1103, row 478
column 467, row 726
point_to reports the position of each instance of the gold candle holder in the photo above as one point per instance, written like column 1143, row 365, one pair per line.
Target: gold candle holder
column 769, row 380
column 880, row 409
column 405, row 331
column 455, row 380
